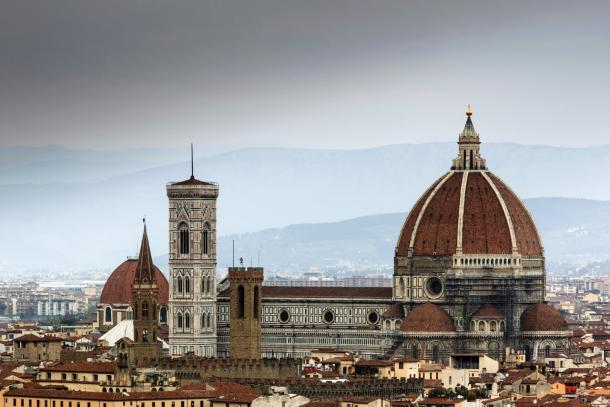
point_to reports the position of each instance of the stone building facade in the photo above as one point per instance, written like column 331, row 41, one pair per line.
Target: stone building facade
column 192, row 267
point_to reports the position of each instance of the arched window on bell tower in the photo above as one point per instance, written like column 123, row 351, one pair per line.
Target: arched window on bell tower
column 183, row 238
column 205, row 239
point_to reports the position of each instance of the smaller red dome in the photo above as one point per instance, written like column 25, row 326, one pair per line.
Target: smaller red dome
column 488, row 311
column 117, row 289
column 542, row 317
column 427, row 317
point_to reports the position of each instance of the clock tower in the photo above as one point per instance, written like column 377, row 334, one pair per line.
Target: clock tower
column 192, row 267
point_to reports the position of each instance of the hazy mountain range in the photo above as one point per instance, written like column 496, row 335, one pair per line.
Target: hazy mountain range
column 67, row 209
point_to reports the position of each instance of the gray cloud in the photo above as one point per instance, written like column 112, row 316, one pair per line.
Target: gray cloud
column 313, row 73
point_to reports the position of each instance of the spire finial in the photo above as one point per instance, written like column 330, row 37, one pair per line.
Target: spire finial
column 144, row 270
column 469, row 110
column 192, row 165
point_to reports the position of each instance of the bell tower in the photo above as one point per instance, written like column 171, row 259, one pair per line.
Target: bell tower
column 245, row 284
column 145, row 350
column 192, row 266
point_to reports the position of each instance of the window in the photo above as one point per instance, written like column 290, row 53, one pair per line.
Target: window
column 187, row 320
column 208, row 320
column 183, row 232
column 63, row 376
column 547, row 351
column 255, row 303
column 179, row 284
column 179, row 321
column 328, row 317
column 493, row 326
column 74, row 376
column 414, row 351
column 205, row 239
column 145, row 310
column 187, row 285
column 372, row 317
column 163, row 315
column 435, row 353
column 108, row 315
column 284, row 316
column 203, row 320
column 241, row 301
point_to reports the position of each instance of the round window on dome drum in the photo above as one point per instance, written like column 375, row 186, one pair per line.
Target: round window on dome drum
column 284, row 316
column 328, row 317
column 373, row 317
column 434, row 287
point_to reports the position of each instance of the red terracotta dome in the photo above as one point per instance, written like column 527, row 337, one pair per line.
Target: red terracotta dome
column 117, row 289
column 427, row 317
column 488, row 311
column 542, row 317
column 469, row 211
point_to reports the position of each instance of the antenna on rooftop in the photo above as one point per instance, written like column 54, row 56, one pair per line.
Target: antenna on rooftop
column 192, row 165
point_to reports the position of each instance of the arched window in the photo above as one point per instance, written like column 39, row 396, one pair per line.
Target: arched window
column 255, row 303
column 240, row 301
column 203, row 284
column 184, row 239
column 435, row 353
column 472, row 326
column 397, row 324
column 203, row 325
column 187, row 320
column 414, row 351
column 205, row 239
column 528, row 353
column 179, row 321
column 208, row 320
column 208, row 284
column 501, row 325
column 388, row 324
column 401, row 287
column 493, row 326
column 547, row 351
column 145, row 310
column 481, row 326
column 187, row 285
column 108, row 315
column 179, row 284
column 163, row 315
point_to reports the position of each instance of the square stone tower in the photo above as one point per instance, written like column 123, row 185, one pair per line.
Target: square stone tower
column 192, row 267
column 245, row 284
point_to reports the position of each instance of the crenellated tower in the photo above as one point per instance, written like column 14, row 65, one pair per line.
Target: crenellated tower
column 192, row 267
column 246, row 304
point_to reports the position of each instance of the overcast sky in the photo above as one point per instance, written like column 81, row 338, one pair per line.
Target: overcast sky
column 310, row 73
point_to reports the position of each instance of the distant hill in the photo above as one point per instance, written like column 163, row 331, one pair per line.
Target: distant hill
column 572, row 230
column 81, row 220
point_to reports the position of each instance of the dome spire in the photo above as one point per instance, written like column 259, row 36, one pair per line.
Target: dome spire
column 468, row 157
column 144, row 271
